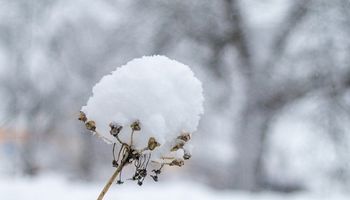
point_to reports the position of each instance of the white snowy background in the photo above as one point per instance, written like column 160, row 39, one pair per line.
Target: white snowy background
column 275, row 74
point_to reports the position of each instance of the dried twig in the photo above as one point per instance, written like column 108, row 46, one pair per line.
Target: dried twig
column 114, row 176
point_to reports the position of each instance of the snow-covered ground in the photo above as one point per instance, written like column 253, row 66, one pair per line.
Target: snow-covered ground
column 56, row 188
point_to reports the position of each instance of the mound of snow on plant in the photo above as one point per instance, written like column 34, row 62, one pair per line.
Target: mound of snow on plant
column 162, row 94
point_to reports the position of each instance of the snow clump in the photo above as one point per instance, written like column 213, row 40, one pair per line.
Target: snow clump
column 162, row 97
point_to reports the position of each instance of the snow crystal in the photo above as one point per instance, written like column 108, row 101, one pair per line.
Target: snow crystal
column 162, row 94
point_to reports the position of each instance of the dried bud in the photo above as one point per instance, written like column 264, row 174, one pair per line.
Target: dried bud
column 90, row 125
column 187, row 156
column 135, row 126
column 177, row 162
column 82, row 116
column 155, row 178
column 139, row 183
column 134, row 178
column 185, row 137
column 115, row 128
column 179, row 145
column 152, row 143
column 135, row 155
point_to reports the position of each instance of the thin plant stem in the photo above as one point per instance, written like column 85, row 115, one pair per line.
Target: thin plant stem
column 123, row 162
column 120, row 150
column 132, row 137
column 113, row 151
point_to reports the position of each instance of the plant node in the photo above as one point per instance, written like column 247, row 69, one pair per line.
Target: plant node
column 115, row 163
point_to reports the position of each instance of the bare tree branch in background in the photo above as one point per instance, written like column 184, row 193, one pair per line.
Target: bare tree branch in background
column 257, row 114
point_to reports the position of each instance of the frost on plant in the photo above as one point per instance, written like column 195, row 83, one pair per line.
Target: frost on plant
column 147, row 109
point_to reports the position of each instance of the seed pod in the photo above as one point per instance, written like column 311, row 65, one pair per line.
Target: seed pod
column 177, row 162
column 115, row 128
column 135, row 126
column 90, row 125
column 82, row 116
column 152, row 143
column 155, row 178
column 187, row 156
column 185, row 136
column 139, row 183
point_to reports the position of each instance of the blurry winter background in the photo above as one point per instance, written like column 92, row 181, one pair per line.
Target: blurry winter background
column 276, row 76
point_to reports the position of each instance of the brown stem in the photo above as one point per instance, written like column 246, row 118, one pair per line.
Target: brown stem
column 114, row 176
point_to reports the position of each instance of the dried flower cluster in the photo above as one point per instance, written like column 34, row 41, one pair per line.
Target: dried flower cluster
column 140, row 158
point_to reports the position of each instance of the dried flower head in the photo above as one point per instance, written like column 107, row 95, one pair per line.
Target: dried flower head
column 152, row 143
column 82, row 116
column 90, row 125
column 185, row 136
column 115, row 128
column 135, row 126
column 177, row 162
